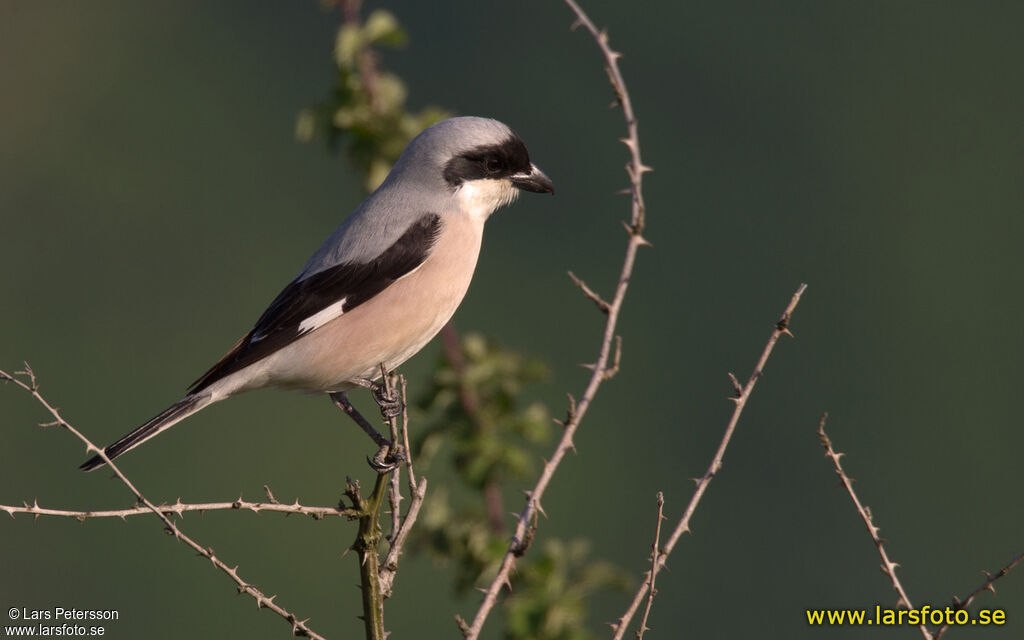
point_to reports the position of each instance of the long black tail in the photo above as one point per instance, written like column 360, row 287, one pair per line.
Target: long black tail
column 165, row 420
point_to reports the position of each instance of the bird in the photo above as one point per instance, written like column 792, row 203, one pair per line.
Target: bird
column 384, row 282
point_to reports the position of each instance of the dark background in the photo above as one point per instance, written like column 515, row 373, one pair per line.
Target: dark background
column 153, row 199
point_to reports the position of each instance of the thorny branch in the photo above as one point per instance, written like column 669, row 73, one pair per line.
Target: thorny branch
column 369, row 535
column 988, row 585
column 377, row 577
column 179, row 508
column 888, row 566
column 299, row 627
column 635, row 169
column 365, row 546
column 743, row 392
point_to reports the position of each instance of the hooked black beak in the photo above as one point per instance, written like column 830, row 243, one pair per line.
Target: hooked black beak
column 534, row 180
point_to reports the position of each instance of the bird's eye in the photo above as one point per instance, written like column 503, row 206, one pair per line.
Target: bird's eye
column 494, row 164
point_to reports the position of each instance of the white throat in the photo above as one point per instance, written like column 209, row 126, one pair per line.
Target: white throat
column 480, row 198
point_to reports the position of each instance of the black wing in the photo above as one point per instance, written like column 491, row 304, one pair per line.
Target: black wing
column 281, row 323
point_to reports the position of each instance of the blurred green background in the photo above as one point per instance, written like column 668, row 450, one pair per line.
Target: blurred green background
column 153, row 199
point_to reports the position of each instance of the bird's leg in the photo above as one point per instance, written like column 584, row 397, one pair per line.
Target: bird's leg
column 341, row 401
column 388, row 456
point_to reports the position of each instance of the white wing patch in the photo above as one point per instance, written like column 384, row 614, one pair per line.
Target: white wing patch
column 322, row 317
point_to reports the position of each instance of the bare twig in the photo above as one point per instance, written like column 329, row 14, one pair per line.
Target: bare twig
column 179, row 508
column 781, row 328
column 395, row 490
column 389, row 567
column 635, row 169
column 395, row 501
column 299, row 627
column 653, row 572
column 401, row 526
column 590, row 293
column 405, row 437
column 987, row 585
column 888, row 566
column 742, row 396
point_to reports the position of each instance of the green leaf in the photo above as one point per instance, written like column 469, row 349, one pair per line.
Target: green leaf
column 382, row 28
column 347, row 45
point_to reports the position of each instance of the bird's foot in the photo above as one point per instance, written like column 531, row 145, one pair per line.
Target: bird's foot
column 388, row 458
column 388, row 401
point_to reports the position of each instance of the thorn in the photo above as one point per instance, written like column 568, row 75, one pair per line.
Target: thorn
column 270, row 494
column 644, row 242
column 634, row 231
column 736, row 386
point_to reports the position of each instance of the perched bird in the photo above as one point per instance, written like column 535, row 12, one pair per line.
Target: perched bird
column 385, row 281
